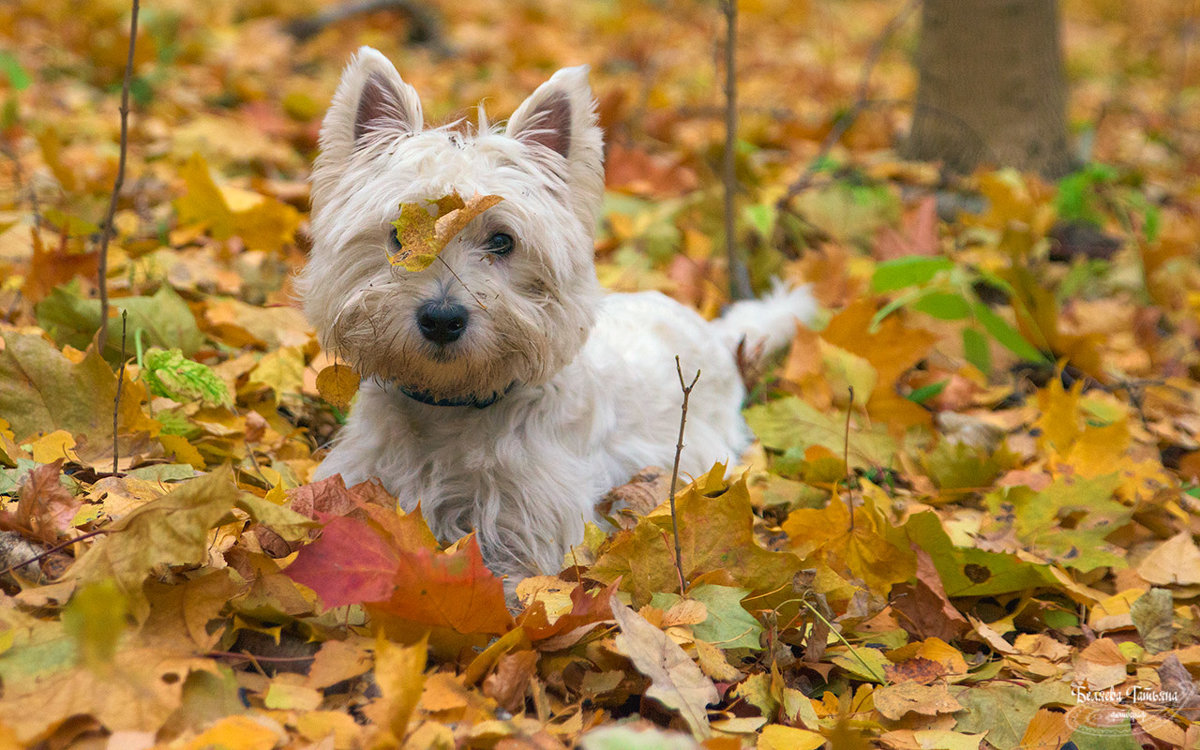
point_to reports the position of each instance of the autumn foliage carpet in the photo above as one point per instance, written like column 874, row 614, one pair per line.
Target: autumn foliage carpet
column 969, row 520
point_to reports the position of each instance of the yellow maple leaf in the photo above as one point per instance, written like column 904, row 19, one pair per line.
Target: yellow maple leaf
column 424, row 229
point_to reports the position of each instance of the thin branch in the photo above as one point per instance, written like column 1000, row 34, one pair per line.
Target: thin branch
column 106, row 229
column 846, row 459
column 848, row 119
column 739, row 274
column 52, row 550
column 247, row 656
column 687, row 391
column 120, row 382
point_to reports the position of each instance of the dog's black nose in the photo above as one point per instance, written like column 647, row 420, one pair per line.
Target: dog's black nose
column 442, row 322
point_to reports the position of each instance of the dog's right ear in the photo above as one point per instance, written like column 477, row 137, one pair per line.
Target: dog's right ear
column 371, row 98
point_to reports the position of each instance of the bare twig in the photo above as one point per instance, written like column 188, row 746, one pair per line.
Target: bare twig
column 247, row 656
column 846, row 459
column 848, row 119
column 120, row 382
column 106, row 229
column 687, row 391
column 739, row 274
column 52, row 550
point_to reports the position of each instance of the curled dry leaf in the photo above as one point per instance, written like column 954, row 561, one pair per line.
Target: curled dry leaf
column 424, row 229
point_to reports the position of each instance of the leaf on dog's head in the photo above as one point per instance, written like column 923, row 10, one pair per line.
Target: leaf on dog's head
column 425, row 228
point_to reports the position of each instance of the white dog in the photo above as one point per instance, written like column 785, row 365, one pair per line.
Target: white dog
column 502, row 389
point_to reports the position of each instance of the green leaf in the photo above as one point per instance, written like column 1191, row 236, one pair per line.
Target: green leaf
column 907, row 271
column 976, row 351
column 967, row 571
column 168, row 373
column 1004, row 711
column 1008, row 337
column 1153, row 615
column 95, row 618
column 1067, row 522
column 761, row 216
column 12, row 70
column 791, row 423
column 728, row 625
column 926, row 392
column 943, row 306
column 863, row 663
column 164, row 319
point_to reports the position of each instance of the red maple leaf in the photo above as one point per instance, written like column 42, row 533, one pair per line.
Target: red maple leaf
column 349, row 563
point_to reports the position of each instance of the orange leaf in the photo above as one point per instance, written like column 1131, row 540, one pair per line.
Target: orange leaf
column 453, row 590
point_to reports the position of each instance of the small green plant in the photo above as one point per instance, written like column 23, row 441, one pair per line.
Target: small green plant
column 938, row 287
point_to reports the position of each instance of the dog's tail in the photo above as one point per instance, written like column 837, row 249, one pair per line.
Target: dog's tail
column 769, row 323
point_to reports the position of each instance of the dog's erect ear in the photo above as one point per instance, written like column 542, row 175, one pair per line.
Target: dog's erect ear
column 370, row 98
column 561, row 116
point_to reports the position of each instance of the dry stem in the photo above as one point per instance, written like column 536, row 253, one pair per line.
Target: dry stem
column 106, row 229
column 687, row 391
column 739, row 275
column 120, row 382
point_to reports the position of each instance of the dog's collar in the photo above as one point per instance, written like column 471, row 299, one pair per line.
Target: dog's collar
column 425, row 397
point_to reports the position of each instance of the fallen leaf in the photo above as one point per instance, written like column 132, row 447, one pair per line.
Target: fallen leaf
column 172, row 529
column 675, row 680
column 349, row 563
column 1174, row 562
column 894, row 701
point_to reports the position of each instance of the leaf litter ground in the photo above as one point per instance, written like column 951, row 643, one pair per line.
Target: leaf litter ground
column 991, row 544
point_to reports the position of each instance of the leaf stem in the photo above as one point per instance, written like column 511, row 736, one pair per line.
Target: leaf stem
column 853, row 651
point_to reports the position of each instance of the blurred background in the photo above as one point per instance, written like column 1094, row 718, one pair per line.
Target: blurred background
column 820, row 86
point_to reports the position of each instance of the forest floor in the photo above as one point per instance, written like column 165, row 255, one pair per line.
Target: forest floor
column 990, row 543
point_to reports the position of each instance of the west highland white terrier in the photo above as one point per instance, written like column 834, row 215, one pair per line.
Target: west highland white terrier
column 502, row 388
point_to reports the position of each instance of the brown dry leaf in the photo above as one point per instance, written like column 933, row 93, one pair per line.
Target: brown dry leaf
column 507, row 685
column 894, row 701
column 1101, row 665
column 46, row 507
column 675, row 680
column 1174, row 562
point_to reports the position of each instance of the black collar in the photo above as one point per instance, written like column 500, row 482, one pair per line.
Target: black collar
column 425, row 397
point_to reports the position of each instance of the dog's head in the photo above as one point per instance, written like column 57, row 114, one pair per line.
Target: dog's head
column 511, row 298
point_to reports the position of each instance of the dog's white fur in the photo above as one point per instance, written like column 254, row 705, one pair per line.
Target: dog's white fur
column 584, row 384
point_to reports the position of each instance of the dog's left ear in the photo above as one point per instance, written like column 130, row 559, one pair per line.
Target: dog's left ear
column 561, row 116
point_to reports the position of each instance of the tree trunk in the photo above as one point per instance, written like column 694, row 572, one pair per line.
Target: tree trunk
column 991, row 86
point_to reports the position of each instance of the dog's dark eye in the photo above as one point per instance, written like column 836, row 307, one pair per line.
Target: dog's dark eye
column 499, row 244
